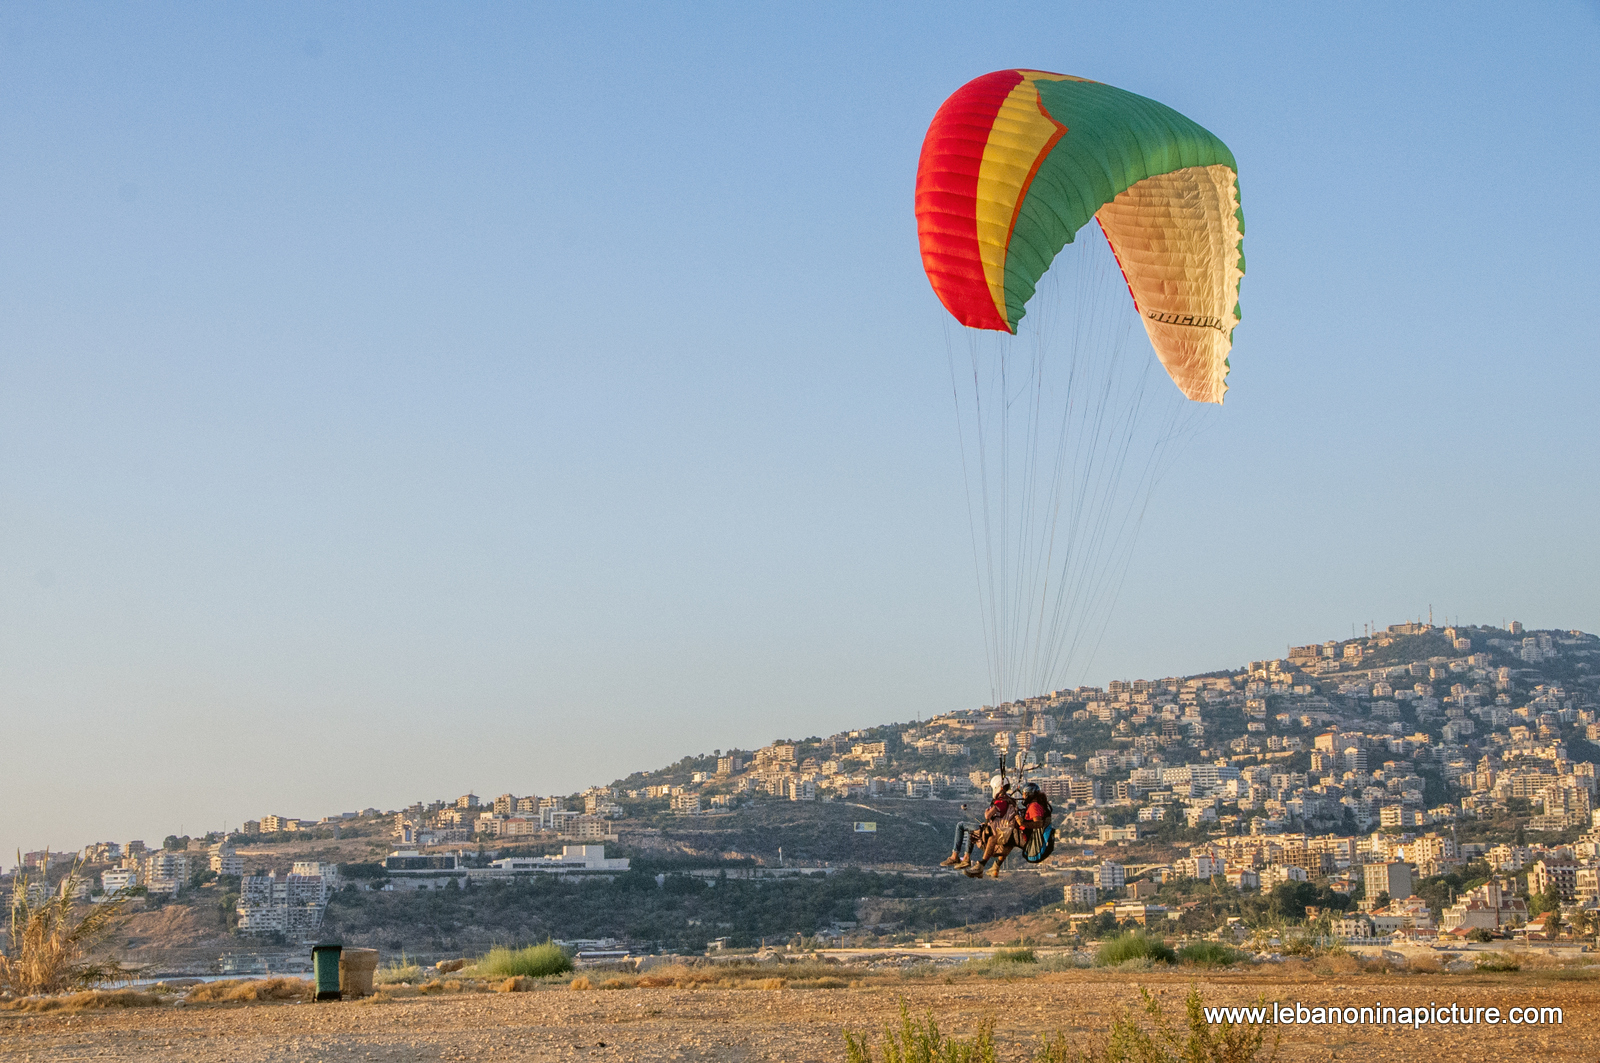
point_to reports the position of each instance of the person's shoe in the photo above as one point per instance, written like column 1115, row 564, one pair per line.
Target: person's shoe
column 975, row 871
column 994, row 872
column 953, row 860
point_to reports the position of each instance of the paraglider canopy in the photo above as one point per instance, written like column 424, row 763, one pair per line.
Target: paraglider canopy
column 1017, row 161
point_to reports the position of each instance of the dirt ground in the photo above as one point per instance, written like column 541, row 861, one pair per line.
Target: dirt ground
column 789, row 1024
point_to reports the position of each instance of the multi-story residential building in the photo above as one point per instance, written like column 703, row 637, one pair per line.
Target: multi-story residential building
column 115, row 880
column 580, row 827
column 1557, row 872
column 1110, row 876
column 293, row 904
column 165, row 872
column 1488, row 907
column 1079, row 893
column 224, row 861
column 1277, row 874
column 102, row 853
column 1199, row 865
column 1392, row 877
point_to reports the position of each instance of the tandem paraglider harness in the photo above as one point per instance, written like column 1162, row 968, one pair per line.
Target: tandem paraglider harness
column 1038, row 841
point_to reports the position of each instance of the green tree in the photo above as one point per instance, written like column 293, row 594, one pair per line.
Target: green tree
column 1582, row 923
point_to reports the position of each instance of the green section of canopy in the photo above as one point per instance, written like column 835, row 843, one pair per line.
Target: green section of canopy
column 1114, row 140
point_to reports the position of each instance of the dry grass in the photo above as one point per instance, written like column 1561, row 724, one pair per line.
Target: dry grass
column 1338, row 963
column 241, row 989
column 719, row 976
column 518, row 984
column 452, row 985
column 52, row 940
column 398, row 972
column 89, row 1001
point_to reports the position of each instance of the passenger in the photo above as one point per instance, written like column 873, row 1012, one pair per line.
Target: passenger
column 999, row 822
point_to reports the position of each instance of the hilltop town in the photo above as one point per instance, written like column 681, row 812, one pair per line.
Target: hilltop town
column 1418, row 781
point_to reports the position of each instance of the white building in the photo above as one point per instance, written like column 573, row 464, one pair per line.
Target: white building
column 293, row 904
column 1083, row 893
column 1279, row 873
column 165, row 872
column 574, row 860
column 119, row 878
column 1200, row 866
column 1111, row 876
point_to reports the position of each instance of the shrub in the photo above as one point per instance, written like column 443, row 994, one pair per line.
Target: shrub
column 535, row 961
column 51, row 940
column 1014, row 956
column 1128, row 1039
column 399, row 971
column 1134, row 946
column 1498, row 962
column 1298, row 943
column 921, row 1042
column 1209, row 954
column 1154, row 1039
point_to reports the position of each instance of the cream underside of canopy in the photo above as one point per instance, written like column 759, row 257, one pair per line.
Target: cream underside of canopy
column 1176, row 236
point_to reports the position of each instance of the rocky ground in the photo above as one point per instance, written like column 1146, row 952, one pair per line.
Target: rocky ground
column 791, row 1025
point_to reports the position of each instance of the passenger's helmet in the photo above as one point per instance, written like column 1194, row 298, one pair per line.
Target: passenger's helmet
column 996, row 784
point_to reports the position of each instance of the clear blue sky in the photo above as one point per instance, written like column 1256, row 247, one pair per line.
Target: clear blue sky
column 403, row 399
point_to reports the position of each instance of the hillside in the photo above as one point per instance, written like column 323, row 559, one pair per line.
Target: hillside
column 1481, row 735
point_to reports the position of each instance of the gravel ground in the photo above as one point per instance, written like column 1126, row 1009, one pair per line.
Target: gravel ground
column 789, row 1024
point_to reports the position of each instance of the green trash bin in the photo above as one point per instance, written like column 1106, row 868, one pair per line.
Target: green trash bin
column 325, row 970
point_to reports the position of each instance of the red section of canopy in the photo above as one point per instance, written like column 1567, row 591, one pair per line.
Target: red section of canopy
column 947, row 186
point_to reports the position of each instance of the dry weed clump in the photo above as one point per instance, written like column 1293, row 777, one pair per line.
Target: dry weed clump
column 517, row 984
column 238, row 990
column 52, row 939
column 89, row 1000
column 1338, row 963
column 763, row 976
column 452, row 985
